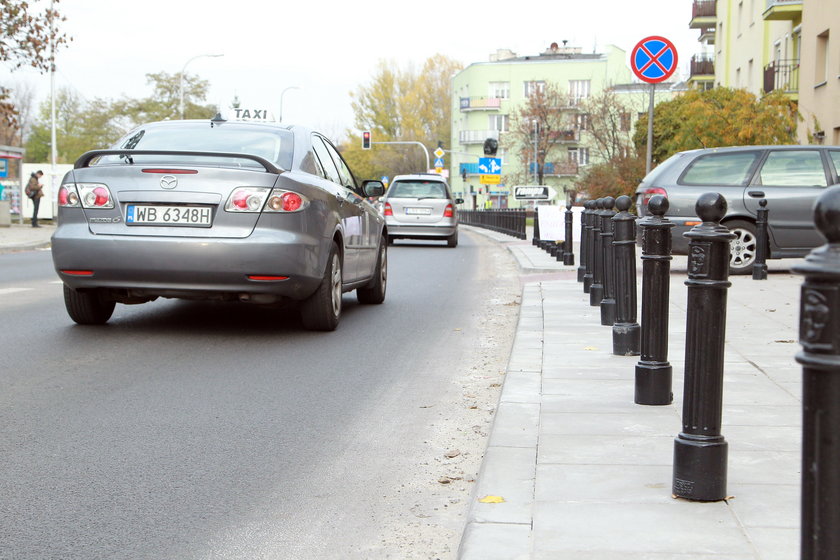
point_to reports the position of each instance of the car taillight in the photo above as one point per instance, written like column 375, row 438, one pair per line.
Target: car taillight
column 247, row 199
column 286, row 201
column 449, row 212
column 94, row 195
column 645, row 197
column 387, row 210
column 68, row 197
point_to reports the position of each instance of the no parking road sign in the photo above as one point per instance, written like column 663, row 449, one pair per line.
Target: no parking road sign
column 654, row 59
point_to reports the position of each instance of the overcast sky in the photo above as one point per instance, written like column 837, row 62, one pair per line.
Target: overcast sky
column 327, row 48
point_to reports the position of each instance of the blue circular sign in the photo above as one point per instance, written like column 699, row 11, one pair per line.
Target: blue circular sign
column 654, row 59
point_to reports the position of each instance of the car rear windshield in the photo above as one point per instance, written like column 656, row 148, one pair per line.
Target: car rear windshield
column 417, row 189
column 274, row 145
column 720, row 169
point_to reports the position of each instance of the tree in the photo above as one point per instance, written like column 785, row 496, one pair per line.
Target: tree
column 541, row 126
column 27, row 38
column 609, row 126
column 401, row 105
column 614, row 177
column 718, row 117
column 165, row 98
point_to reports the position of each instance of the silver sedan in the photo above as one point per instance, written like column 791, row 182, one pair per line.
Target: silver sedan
column 215, row 210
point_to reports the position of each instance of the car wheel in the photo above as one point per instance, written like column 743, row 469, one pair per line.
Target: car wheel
column 390, row 240
column 86, row 307
column 452, row 240
column 742, row 249
column 322, row 310
column 374, row 292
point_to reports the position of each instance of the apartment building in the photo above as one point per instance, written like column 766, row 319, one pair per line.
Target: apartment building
column 774, row 45
column 485, row 97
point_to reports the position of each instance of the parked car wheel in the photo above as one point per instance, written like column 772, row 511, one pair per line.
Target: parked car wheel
column 322, row 310
column 374, row 293
column 743, row 247
column 86, row 307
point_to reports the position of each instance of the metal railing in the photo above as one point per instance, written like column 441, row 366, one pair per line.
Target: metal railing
column 510, row 221
column 783, row 75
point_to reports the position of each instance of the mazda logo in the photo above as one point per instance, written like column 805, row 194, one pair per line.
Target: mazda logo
column 168, row 182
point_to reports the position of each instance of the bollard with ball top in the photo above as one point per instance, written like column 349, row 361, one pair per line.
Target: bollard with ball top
column 819, row 335
column 608, row 274
column 625, row 330
column 653, row 372
column 700, row 450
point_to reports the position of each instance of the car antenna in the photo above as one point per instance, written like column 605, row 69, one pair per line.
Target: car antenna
column 217, row 120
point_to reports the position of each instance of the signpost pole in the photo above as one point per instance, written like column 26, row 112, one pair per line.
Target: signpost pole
column 649, row 160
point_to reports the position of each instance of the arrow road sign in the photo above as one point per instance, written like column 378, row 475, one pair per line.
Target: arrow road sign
column 654, row 59
column 490, row 166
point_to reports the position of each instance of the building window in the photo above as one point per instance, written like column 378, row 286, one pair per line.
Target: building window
column 579, row 90
column 821, row 60
column 579, row 155
column 499, row 122
column 625, row 122
column 533, row 87
column 582, row 121
column 499, row 90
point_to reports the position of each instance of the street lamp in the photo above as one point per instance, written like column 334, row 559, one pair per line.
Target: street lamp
column 181, row 80
column 280, row 114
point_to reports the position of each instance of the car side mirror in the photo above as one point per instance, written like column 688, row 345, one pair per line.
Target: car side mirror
column 373, row 188
column 459, row 201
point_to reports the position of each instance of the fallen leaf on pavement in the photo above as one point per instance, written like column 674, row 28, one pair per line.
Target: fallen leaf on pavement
column 492, row 500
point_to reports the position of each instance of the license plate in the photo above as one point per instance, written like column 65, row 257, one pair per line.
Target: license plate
column 142, row 214
column 418, row 211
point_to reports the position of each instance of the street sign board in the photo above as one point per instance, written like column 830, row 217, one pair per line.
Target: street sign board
column 654, row 59
column 490, row 166
column 438, row 153
column 490, row 179
column 439, row 162
column 534, row 192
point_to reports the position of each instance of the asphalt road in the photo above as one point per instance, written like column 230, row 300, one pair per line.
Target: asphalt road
column 204, row 430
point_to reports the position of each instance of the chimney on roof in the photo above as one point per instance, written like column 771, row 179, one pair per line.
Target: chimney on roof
column 502, row 54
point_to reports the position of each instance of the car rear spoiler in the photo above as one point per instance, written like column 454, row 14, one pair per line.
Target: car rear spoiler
column 85, row 159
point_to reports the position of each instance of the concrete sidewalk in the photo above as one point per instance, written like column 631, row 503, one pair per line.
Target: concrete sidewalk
column 24, row 237
column 586, row 473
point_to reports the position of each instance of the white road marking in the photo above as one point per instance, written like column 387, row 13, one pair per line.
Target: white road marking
column 7, row 291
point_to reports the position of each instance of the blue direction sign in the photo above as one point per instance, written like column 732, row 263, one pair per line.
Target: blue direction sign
column 439, row 162
column 490, row 166
column 654, row 59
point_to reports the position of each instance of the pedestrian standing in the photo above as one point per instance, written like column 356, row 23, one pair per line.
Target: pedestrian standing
column 35, row 190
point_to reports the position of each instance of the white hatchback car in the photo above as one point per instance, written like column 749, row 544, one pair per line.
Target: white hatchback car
column 421, row 206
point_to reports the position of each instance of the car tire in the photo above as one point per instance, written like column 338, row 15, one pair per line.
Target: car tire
column 390, row 240
column 87, row 307
column 743, row 247
column 322, row 310
column 374, row 293
column 452, row 240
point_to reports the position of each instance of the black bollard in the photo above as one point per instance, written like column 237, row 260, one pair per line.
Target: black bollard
column 700, row 451
column 587, row 276
column 581, row 271
column 653, row 372
column 762, row 242
column 536, row 239
column 568, row 248
column 625, row 330
column 819, row 335
column 608, row 273
column 596, row 290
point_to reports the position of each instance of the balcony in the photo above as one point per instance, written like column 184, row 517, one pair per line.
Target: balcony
column 702, row 68
column 703, row 14
column 782, row 75
column 564, row 136
column 707, row 36
column 480, row 104
column 783, row 10
column 476, row 136
column 567, row 168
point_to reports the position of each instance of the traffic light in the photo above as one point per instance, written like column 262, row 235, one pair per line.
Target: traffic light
column 491, row 145
column 366, row 140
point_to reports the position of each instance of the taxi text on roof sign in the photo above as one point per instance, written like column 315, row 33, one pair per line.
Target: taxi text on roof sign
column 240, row 114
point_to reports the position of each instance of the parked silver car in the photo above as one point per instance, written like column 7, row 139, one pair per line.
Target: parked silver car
column 251, row 212
column 421, row 206
column 790, row 178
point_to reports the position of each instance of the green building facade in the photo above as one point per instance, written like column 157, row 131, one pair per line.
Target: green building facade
column 485, row 96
